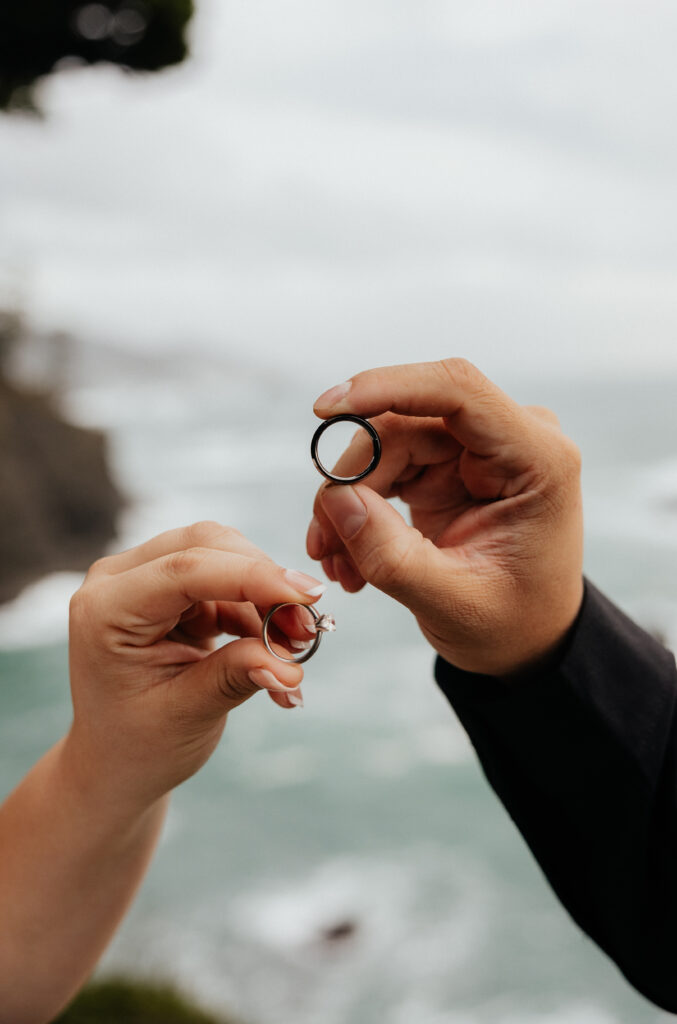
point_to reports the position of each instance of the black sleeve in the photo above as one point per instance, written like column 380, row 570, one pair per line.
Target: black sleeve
column 584, row 757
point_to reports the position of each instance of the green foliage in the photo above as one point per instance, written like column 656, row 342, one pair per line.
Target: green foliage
column 117, row 1001
column 35, row 35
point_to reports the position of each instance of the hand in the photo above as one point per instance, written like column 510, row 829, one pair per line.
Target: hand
column 150, row 694
column 492, row 565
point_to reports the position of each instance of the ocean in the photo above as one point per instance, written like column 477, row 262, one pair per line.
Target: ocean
column 347, row 863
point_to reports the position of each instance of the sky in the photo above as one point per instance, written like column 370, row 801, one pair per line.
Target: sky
column 336, row 185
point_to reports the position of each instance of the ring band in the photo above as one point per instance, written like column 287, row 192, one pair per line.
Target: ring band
column 375, row 441
column 323, row 624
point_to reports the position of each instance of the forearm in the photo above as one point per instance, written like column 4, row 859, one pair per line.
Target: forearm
column 583, row 756
column 70, row 863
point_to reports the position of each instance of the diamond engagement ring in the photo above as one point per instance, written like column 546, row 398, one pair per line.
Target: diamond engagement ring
column 323, row 624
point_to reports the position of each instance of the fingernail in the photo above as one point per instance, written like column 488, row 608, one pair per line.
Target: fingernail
column 264, row 678
column 345, row 508
column 301, row 645
column 315, row 539
column 330, row 398
column 296, row 699
column 306, row 584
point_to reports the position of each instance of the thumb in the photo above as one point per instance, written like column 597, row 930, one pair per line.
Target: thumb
column 387, row 552
column 230, row 675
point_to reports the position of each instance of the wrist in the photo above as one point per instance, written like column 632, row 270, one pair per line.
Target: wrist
column 549, row 651
column 521, row 647
column 95, row 792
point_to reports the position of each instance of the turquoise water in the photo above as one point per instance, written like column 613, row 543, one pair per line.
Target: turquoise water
column 367, row 809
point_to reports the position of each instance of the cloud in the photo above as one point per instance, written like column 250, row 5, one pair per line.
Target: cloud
column 379, row 181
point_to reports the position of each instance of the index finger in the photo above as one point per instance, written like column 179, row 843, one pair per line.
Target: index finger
column 478, row 414
column 203, row 534
column 157, row 592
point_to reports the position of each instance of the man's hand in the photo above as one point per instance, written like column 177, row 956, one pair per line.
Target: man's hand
column 492, row 565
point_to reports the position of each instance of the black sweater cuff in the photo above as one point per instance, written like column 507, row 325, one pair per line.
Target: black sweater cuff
column 583, row 755
column 613, row 684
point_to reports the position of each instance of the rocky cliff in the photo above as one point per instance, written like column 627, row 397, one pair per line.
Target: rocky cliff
column 58, row 503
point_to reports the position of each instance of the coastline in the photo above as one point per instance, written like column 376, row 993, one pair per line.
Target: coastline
column 60, row 504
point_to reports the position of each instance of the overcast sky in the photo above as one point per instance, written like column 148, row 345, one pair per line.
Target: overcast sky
column 354, row 182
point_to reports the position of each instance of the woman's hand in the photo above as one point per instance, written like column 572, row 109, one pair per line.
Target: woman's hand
column 150, row 693
column 150, row 699
column 492, row 565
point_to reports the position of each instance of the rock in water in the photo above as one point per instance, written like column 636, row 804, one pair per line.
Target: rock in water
column 58, row 503
column 339, row 931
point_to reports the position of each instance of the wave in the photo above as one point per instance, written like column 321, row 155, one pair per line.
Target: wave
column 38, row 617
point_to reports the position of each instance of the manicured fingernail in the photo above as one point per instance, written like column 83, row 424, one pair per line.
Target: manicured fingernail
column 296, row 699
column 345, row 508
column 264, row 678
column 305, row 584
column 332, row 397
column 301, row 645
column 315, row 539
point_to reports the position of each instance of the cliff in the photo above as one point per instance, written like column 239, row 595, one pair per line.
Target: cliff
column 58, row 503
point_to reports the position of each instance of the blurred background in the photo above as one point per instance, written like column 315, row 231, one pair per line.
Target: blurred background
column 188, row 256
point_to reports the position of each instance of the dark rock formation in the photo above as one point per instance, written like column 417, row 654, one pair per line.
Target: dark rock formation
column 58, row 504
column 339, row 931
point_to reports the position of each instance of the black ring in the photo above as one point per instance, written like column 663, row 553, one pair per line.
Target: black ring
column 375, row 441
